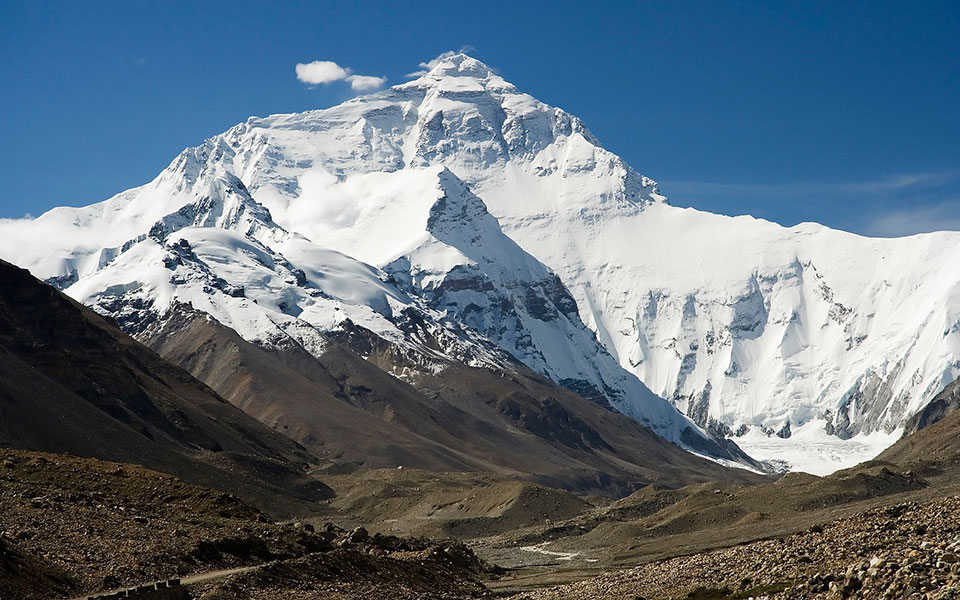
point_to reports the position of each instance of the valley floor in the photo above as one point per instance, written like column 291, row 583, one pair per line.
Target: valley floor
column 72, row 526
column 907, row 550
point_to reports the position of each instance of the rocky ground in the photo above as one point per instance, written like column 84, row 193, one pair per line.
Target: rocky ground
column 435, row 571
column 70, row 525
column 107, row 524
column 909, row 550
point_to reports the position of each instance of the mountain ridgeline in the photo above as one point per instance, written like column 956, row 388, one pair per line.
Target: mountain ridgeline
column 460, row 260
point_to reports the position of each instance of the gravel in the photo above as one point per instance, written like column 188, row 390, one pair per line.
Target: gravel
column 909, row 550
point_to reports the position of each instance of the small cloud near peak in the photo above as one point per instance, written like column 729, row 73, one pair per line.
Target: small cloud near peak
column 321, row 72
column 363, row 83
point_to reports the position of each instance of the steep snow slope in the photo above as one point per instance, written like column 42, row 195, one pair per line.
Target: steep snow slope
column 747, row 323
column 746, row 326
column 453, row 286
column 467, row 268
column 740, row 322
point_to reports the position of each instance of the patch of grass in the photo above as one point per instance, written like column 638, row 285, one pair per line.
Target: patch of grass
column 725, row 593
column 702, row 593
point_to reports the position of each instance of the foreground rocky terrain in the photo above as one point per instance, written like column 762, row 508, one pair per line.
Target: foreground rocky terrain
column 908, row 550
column 70, row 526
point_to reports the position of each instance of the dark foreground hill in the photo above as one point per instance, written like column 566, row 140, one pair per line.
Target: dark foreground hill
column 72, row 382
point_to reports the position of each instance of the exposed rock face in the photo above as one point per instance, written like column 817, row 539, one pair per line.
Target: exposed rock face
column 345, row 407
column 511, row 299
column 934, row 442
column 942, row 406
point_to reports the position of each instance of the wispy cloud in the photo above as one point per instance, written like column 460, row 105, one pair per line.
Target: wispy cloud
column 892, row 184
column 321, row 72
column 425, row 67
column 944, row 216
column 905, row 182
column 897, row 205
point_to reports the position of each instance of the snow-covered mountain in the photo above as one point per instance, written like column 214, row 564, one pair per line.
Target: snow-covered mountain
column 456, row 217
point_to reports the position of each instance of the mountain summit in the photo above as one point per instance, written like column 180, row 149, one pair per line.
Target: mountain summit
column 456, row 218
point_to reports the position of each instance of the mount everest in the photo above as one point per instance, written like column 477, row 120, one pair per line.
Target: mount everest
column 459, row 219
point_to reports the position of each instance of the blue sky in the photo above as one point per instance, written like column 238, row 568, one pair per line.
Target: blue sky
column 845, row 113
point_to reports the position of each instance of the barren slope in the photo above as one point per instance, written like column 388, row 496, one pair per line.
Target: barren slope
column 344, row 407
column 72, row 382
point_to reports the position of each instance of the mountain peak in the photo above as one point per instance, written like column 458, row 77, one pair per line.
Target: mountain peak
column 449, row 68
column 459, row 65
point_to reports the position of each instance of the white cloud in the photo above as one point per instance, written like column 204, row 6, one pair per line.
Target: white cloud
column 363, row 83
column 322, row 200
column 321, row 72
column 53, row 236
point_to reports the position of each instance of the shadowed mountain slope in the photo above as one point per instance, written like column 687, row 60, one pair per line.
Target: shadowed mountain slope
column 72, row 382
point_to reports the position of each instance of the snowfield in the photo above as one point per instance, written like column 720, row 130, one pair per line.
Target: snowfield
column 514, row 233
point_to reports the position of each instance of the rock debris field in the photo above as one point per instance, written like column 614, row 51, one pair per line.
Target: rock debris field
column 909, row 551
